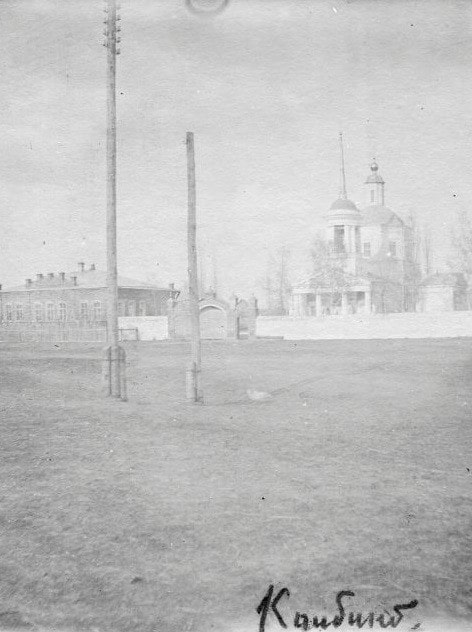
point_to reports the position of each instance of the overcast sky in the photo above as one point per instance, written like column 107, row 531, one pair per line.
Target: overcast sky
column 265, row 86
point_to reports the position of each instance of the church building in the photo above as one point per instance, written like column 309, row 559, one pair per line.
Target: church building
column 366, row 262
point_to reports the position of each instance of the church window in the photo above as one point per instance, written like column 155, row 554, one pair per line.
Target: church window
column 97, row 310
column 121, row 308
column 392, row 249
column 339, row 239
column 50, row 311
column 131, row 308
column 84, row 309
column 358, row 239
column 19, row 311
column 372, row 196
column 38, row 312
column 8, row 311
column 62, row 313
column 366, row 249
column 142, row 308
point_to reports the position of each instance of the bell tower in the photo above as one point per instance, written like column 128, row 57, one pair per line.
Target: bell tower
column 375, row 187
column 343, row 221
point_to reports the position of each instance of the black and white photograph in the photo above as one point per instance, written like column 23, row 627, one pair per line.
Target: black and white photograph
column 235, row 315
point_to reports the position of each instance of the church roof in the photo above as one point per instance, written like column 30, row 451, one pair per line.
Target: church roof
column 343, row 204
column 378, row 214
column 90, row 279
column 98, row 278
column 334, row 278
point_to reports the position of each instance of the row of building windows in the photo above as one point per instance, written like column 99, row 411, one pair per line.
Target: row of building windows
column 338, row 245
column 130, row 308
column 60, row 311
column 52, row 311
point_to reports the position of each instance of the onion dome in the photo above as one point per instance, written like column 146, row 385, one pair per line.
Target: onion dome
column 374, row 175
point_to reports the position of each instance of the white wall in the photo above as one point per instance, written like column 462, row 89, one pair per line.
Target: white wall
column 149, row 327
column 408, row 325
column 437, row 298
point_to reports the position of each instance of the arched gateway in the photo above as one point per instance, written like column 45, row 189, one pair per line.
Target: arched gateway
column 213, row 320
column 219, row 319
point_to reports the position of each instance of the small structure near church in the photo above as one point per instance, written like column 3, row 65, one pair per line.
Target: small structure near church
column 443, row 292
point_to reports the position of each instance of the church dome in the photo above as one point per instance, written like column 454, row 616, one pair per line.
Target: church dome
column 374, row 175
column 343, row 204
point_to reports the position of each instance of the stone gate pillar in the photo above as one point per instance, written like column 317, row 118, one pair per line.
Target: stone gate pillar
column 253, row 313
column 171, row 305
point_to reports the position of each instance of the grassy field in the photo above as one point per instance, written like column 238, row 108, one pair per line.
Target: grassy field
column 157, row 515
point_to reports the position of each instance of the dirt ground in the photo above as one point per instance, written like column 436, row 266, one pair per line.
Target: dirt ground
column 159, row 515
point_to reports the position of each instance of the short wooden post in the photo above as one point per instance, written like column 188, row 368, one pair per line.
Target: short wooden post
column 122, row 362
column 106, row 371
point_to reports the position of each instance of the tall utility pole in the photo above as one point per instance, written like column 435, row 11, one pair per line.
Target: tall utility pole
column 194, row 369
column 114, row 353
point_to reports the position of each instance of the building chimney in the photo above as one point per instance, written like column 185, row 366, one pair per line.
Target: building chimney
column 92, row 266
column 50, row 275
column 39, row 277
column 62, row 276
column 81, row 265
column 74, row 280
column 29, row 282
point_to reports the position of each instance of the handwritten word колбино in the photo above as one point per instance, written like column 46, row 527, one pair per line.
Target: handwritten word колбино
column 271, row 604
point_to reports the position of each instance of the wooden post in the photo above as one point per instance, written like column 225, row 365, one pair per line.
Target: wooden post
column 116, row 381
column 106, row 371
column 122, row 374
column 193, row 371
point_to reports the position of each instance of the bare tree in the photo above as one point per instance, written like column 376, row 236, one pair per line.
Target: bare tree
column 277, row 283
column 421, row 245
column 427, row 250
column 462, row 248
column 328, row 270
column 417, row 261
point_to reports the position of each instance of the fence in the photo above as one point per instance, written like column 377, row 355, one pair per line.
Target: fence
column 143, row 327
column 53, row 332
column 128, row 333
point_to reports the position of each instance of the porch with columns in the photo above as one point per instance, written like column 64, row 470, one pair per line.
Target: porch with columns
column 309, row 302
